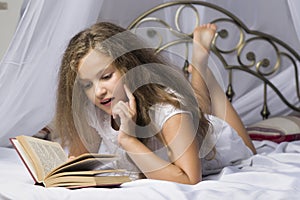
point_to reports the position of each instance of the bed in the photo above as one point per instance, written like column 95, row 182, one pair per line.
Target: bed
column 238, row 53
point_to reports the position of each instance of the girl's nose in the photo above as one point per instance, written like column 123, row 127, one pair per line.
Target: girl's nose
column 100, row 90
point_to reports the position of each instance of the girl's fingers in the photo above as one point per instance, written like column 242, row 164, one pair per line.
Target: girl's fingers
column 71, row 158
column 122, row 109
column 132, row 103
column 126, row 117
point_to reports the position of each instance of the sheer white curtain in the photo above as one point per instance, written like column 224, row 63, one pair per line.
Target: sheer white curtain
column 28, row 70
column 294, row 7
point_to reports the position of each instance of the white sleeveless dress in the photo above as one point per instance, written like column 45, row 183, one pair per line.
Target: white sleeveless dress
column 229, row 146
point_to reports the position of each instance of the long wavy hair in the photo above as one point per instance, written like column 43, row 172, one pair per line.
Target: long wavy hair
column 128, row 53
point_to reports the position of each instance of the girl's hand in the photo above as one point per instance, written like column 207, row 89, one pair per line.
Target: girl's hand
column 71, row 158
column 126, row 112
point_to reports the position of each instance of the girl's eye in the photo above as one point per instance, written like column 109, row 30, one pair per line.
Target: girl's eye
column 106, row 76
column 86, row 85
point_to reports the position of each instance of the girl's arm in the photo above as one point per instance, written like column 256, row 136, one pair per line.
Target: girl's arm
column 179, row 134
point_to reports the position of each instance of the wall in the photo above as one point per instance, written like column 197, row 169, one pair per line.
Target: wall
column 8, row 20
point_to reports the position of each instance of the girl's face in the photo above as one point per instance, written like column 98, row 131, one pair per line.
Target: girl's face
column 101, row 80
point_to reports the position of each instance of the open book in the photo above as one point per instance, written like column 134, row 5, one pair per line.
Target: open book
column 49, row 166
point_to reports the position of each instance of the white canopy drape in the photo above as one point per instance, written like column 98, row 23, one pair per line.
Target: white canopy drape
column 28, row 70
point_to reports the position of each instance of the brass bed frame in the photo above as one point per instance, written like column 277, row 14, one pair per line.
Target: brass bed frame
column 262, row 68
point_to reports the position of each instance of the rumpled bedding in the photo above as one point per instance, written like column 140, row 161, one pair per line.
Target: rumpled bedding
column 273, row 173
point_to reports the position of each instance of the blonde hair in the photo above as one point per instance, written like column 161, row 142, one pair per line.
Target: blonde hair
column 127, row 52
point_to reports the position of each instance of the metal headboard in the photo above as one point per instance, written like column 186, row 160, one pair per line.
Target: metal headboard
column 260, row 68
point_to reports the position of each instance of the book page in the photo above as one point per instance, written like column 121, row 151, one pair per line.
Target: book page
column 82, row 165
column 46, row 154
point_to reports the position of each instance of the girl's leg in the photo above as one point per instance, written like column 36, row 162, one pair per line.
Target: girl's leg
column 211, row 96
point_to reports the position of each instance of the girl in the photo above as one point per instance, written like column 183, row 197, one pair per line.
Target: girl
column 115, row 95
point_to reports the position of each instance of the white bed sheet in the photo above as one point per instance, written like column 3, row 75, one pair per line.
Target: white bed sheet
column 274, row 173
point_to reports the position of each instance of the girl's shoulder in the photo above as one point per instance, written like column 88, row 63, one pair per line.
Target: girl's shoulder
column 161, row 112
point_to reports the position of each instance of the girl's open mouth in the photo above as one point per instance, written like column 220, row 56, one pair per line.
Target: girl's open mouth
column 107, row 101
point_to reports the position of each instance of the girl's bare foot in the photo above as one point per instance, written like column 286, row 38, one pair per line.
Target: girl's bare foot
column 203, row 36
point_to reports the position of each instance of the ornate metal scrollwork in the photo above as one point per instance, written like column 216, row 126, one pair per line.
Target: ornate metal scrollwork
column 247, row 58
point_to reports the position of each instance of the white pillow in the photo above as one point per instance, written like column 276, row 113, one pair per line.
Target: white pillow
column 276, row 129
